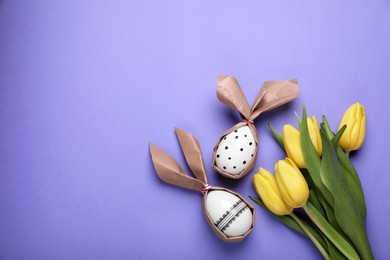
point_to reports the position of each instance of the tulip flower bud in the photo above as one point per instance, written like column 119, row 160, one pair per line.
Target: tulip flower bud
column 267, row 188
column 314, row 132
column 291, row 183
column 292, row 141
column 355, row 120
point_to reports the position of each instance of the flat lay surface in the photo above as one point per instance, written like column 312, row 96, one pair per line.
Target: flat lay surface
column 85, row 86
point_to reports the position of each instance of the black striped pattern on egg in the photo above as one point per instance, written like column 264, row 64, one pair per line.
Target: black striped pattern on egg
column 229, row 213
column 236, row 150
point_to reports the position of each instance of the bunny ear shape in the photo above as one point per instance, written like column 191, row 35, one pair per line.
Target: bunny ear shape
column 171, row 172
column 193, row 154
column 230, row 93
column 274, row 94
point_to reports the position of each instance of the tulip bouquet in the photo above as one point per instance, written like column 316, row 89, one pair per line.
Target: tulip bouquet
column 318, row 177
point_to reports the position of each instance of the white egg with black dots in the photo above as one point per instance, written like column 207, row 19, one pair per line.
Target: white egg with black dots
column 236, row 150
column 229, row 213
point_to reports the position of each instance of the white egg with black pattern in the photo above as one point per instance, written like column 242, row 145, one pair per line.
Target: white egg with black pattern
column 229, row 213
column 235, row 151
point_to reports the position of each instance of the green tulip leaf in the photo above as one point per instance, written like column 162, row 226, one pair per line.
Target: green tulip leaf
column 325, row 125
column 353, row 181
column 313, row 198
column 298, row 119
column 329, row 214
column 346, row 207
column 344, row 246
column 336, row 138
column 350, row 171
column 312, row 160
column 277, row 136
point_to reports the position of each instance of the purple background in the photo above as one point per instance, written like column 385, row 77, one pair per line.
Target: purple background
column 85, row 85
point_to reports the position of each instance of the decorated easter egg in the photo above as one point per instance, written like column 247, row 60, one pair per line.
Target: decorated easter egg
column 236, row 151
column 229, row 213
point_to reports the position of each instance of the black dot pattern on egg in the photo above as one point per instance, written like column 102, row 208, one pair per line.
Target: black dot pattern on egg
column 236, row 151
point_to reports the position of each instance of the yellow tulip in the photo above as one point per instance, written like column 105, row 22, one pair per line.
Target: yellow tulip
column 267, row 188
column 292, row 141
column 314, row 132
column 291, row 183
column 355, row 120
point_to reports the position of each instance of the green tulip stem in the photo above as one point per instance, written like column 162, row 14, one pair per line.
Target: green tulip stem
column 347, row 154
column 330, row 232
column 310, row 235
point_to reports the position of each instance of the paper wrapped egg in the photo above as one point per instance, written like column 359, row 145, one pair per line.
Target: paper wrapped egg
column 236, row 151
column 229, row 213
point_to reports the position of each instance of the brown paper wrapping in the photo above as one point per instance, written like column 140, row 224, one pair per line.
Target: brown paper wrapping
column 169, row 170
column 272, row 94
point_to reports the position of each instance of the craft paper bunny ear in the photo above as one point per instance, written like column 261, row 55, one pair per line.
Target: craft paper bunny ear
column 236, row 150
column 230, row 93
column 229, row 215
column 192, row 153
column 171, row 172
column 273, row 94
